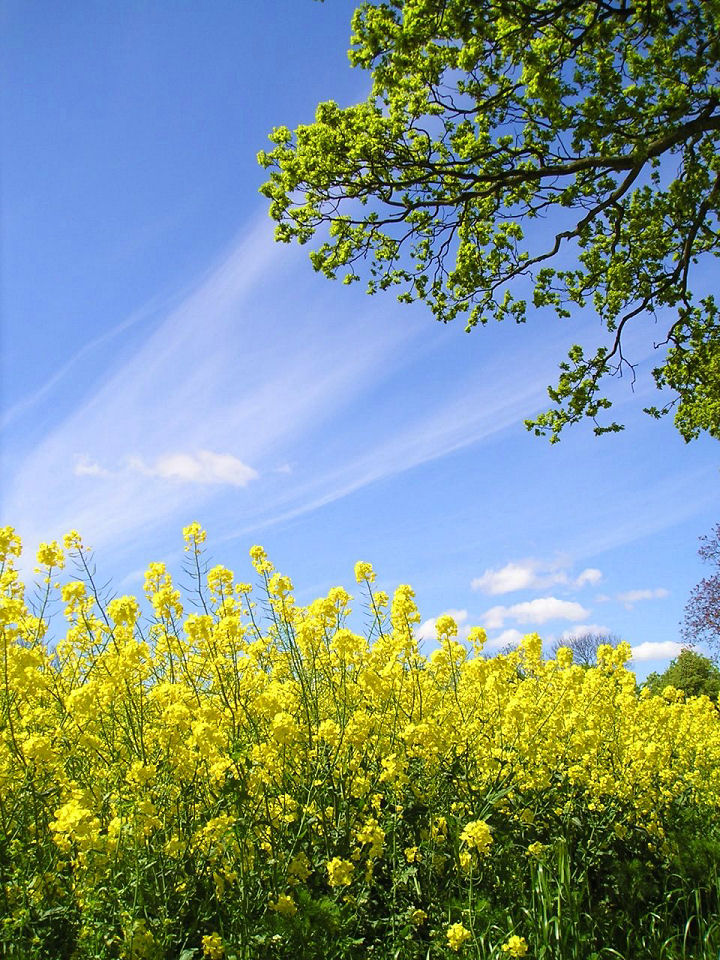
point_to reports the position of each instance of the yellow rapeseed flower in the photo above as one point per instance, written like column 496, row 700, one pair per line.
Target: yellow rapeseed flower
column 457, row 934
column 72, row 540
column 515, row 946
column 445, row 627
column 476, row 835
column 51, row 555
column 213, row 947
column 260, row 560
column 194, row 535
column 10, row 544
column 284, row 905
column 299, row 866
column 340, row 872
column 364, row 572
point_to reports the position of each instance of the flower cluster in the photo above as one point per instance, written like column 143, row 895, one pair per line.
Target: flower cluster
column 200, row 779
column 457, row 934
column 515, row 946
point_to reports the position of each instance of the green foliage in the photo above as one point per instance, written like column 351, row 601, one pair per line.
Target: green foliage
column 486, row 118
column 691, row 672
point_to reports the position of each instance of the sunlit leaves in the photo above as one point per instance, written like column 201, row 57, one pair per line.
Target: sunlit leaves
column 483, row 117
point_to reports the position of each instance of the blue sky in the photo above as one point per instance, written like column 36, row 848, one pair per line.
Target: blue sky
column 164, row 361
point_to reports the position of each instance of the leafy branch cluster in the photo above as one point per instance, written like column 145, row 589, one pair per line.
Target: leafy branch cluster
column 486, row 119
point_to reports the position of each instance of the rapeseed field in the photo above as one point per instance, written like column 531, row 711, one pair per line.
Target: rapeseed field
column 231, row 775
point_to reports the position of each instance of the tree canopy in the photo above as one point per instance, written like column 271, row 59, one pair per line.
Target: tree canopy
column 585, row 646
column 565, row 147
column 691, row 672
column 702, row 611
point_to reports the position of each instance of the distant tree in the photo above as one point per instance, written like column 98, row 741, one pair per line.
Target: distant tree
column 689, row 671
column 487, row 120
column 702, row 611
column 506, row 650
column 584, row 646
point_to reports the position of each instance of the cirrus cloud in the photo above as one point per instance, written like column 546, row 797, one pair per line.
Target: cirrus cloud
column 87, row 467
column 631, row 597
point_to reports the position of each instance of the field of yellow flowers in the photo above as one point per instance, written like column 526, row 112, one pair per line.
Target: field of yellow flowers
column 227, row 777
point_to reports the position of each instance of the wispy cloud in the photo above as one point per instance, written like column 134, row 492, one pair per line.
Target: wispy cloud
column 409, row 446
column 535, row 611
column 86, row 467
column 202, row 467
column 26, row 403
column 647, row 510
column 234, row 383
column 630, row 597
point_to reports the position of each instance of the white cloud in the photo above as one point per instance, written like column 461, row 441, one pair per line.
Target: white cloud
column 513, row 576
column 525, row 575
column 665, row 650
column 535, row 611
column 631, row 597
column 547, row 608
column 532, row 574
column 426, row 630
column 85, row 467
column 202, row 467
column 590, row 575
column 494, row 618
